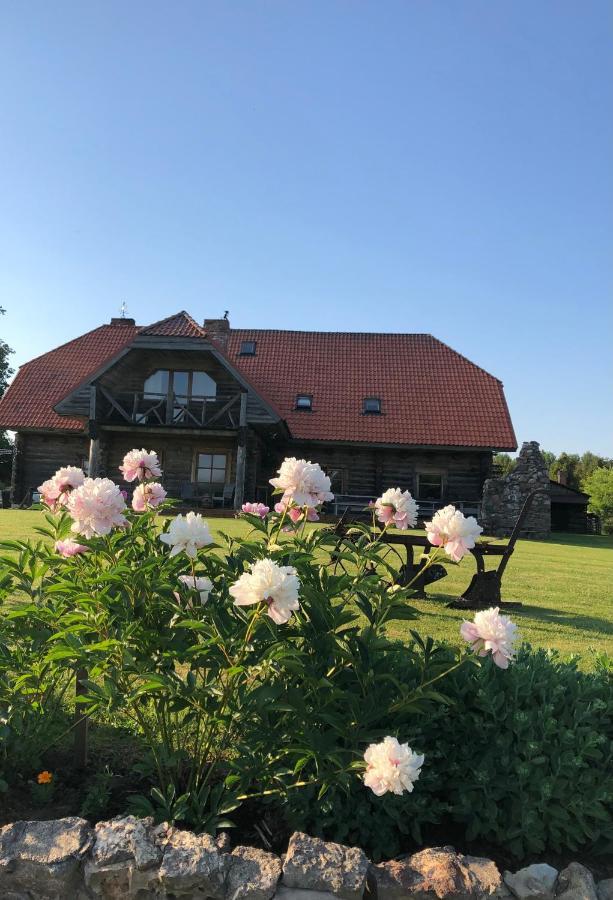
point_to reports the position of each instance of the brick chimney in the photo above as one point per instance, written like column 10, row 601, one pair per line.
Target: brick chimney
column 218, row 330
column 116, row 320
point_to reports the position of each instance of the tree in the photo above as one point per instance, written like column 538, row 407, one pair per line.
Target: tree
column 599, row 485
column 5, row 373
column 504, row 463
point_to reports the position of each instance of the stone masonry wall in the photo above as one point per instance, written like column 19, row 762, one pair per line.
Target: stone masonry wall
column 131, row 859
column 503, row 498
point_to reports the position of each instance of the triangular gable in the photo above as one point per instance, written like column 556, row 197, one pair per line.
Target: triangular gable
column 179, row 325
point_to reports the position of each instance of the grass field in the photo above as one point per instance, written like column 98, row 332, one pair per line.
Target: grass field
column 565, row 584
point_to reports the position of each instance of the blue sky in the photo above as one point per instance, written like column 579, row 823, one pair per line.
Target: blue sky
column 381, row 166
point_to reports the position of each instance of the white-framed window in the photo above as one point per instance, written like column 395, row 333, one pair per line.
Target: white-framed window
column 211, row 467
column 430, row 485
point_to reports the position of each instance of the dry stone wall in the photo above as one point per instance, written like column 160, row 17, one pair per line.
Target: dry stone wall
column 503, row 498
column 132, row 859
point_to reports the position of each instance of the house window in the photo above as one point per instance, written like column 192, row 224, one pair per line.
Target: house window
column 184, row 385
column 372, row 406
column 430, row 485
column 211, row 468
column 247, row 348
column 304, row 402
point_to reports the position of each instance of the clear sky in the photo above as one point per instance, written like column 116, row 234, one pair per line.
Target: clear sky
column 424, row 165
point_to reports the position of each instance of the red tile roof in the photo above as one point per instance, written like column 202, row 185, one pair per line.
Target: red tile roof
column 179, row 325
column 44, row 381
column 430, row 395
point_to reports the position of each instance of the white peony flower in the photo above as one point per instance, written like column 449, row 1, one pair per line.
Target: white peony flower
column 396, row 507
column 391, row 767
column 270, row 583
column 491, row 633
column 303, row 483
column 96, row 507
column 452, row 530
column 198, row 583
column 187, row 533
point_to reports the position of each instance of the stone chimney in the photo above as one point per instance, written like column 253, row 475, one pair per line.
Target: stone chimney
column 121, row 320
column 503, row 498
column 218, row 330
column 562, row 477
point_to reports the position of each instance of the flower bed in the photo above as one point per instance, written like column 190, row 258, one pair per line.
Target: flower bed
column 257, row 677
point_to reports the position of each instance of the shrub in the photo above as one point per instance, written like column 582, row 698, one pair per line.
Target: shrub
column 522, row 760
column 260, row 667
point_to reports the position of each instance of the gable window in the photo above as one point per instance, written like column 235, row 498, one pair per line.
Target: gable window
column 184, row 385
column 430, row 485
column 372, row 406
column 247, row 348
column 211, row 468
column 304, row 402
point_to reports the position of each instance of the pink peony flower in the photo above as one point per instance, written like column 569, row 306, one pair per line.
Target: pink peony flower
column 256, row 509
column 267, row 582
column 187, row 534
column 396, row 507
column 96, row 507
column 69, row 548
column 452, row 530
column 54, row 492
column 141, row 464
column 296, row 513
column 391, row 766
column 198, row 583
column 303, row 483
column 491, row 632
column 147, row 495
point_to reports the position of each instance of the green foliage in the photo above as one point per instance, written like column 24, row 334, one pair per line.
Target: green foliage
column 525, row 757
column 574, row 469
column 230, row 704
column 504, row 463
column 98, row 795
column 599, row 485
column 520, row 759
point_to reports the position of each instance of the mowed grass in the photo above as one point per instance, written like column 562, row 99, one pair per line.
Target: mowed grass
column 565, row 585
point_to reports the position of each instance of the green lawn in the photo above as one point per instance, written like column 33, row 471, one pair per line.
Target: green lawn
column 565, row 584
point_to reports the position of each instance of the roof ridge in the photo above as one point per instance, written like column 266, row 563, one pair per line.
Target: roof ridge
column 365, row 333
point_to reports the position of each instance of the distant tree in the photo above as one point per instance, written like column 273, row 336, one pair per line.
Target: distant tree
column 599, row 485
column 504, row 463
column 566, row 465
column 5, row 373
column 549, row 458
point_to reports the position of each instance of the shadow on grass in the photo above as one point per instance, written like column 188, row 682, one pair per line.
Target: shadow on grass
column 561, row 617
column 539, row 613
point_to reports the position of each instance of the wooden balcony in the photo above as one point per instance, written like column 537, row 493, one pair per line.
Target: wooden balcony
column 168, row 410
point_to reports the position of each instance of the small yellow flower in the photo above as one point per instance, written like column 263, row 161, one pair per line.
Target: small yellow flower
column 44, row 777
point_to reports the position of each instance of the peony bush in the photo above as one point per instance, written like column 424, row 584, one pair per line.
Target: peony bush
column 252, row 668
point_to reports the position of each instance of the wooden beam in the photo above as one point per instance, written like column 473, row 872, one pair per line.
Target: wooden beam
column 241, row 454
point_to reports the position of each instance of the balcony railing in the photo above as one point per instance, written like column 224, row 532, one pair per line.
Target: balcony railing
column 149, row 409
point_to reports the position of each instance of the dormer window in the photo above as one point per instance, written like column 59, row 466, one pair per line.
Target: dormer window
column 247, row 348
column 304, row 402
column 372, row 406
